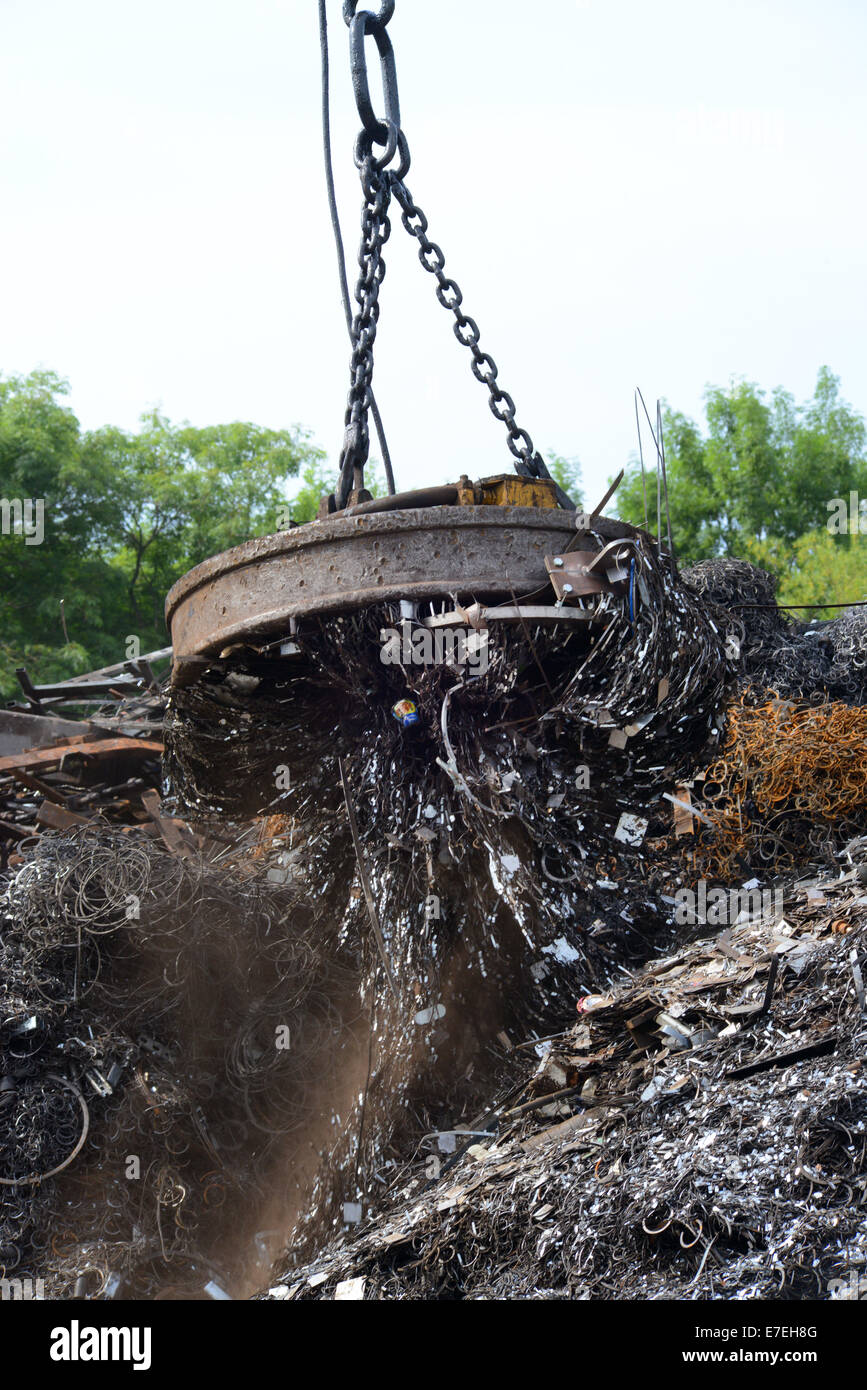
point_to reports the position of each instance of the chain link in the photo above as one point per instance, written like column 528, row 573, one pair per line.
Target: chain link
column 386, row 10
column 379, row 131
column 466, row 330
column 375, row 231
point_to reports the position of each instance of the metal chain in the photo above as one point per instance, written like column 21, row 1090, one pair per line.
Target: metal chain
column 375, row 231
column 466, row 331
column 386, row 11
column 379, row 184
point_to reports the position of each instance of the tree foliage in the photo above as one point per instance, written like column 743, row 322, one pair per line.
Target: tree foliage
column 319, row 480
column 762, row 474
column 125, row 515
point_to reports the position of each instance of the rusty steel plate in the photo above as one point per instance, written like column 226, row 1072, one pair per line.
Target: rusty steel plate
column 349, row 562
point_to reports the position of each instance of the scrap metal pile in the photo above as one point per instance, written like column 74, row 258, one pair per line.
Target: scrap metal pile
column 790, row 784
column 78, row 750
column 699, row 1133
column 481, row 861
column 141, row 983
column 791, row 660
column 286, row 987
column 518, row 846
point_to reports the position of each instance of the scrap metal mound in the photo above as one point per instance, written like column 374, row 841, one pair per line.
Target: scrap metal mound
column 411, row 913
column 815, row 660
column 699, row 1133
column 498, row 845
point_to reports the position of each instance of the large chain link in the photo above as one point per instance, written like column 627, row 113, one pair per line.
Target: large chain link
column 386, row 11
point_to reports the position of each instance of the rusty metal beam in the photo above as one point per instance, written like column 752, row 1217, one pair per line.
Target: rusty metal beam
column 99, row 748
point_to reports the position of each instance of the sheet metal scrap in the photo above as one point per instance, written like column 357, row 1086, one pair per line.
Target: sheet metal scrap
column 731, row 1168
column 96, row 748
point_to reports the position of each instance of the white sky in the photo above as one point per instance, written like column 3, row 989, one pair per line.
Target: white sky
column 661, row 194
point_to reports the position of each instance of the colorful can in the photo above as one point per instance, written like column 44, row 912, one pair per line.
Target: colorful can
column 405, row 713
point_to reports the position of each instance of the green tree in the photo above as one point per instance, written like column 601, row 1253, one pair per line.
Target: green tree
column 180, row 494
column 40, row 461
column 818, row 569
column 125, row 515
column 765, row 470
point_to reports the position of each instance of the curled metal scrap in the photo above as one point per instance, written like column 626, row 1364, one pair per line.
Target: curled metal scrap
column 672, row 638
column 817, row 660
column 790, row 783
column 490, row 867
column 183, row 995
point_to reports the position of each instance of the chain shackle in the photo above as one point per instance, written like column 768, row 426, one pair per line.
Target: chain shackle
column 386, row 10
column 363, row 24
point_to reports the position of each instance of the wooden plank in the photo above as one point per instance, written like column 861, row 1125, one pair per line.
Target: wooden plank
column 39, row 757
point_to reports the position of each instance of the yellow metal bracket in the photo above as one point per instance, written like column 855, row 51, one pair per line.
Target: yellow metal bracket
column 507, row 490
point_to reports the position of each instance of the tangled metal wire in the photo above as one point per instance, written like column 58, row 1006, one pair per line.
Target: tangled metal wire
column 799, row 661
column 162, row 1023
column 848, row 636
column 790, row 783
column 666, row 671
column 43, row 1118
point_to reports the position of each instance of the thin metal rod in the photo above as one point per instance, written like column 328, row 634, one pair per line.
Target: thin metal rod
column 664, row 477
column 641, row 456
column 658, row 472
